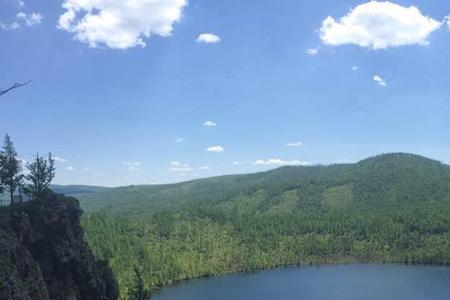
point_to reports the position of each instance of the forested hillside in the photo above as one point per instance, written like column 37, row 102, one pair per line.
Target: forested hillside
column 388, row 208
column 77, row 189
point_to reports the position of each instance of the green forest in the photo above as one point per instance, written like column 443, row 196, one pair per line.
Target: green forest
column 388, row 208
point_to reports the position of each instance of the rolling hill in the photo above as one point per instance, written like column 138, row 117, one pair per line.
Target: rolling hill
column 387, row 208
column 75, row 190
column 380, row 180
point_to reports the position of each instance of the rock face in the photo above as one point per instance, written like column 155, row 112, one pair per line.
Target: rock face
column 43, row 254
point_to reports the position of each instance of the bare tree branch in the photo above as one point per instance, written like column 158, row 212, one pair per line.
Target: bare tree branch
column 14, row 86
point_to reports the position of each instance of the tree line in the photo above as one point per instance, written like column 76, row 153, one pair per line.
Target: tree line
column 33, row 182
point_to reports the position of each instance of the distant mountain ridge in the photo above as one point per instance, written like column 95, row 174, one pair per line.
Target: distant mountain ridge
column 371, row 178
column 77, row 189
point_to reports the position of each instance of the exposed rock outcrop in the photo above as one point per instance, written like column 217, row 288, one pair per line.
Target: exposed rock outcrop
column 43, row 254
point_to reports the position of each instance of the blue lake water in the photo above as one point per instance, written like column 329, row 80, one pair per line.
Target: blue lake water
column 346, row 282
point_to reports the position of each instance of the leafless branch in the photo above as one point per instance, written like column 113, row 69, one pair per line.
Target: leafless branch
column 14, row 86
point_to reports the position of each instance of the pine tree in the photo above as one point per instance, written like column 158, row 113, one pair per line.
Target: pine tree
column 41, row 174
column 139, row 292
column 10, row 167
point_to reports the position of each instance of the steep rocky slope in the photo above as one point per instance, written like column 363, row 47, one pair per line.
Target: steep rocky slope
column 43, row 254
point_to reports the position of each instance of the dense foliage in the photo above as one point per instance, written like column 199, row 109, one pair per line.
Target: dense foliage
column 390, row 208
column 34, row 183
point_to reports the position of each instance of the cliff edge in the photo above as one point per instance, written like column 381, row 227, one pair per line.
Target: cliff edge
column 43, row 254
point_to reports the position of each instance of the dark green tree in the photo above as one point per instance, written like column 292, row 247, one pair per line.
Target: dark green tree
column 139, row 291
column 10, row 167
column 41, row 174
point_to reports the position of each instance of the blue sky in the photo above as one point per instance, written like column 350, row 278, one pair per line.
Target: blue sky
column 282, row 84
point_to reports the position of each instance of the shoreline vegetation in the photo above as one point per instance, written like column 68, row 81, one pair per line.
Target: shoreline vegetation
column 387, row 209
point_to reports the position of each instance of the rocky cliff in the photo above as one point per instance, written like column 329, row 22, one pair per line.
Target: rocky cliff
column 43, row 254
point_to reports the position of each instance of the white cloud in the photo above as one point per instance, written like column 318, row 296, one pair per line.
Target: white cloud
column 379, row 80
column 70, row 168
column 355, row 68
column 379, row 25
column 178, row 167
column 295, row 144
column 217, row 149
column 179, row 140
column 30, row 19
column 208, row 38
column 132, row 163
column 312, row 51
column 120, row 24
column 59, row 159
column 22, row 18
column 280, row 162
column 10, row 26
column 205, row 168
column 210, row 124
column 343, row 161
column 98, row 175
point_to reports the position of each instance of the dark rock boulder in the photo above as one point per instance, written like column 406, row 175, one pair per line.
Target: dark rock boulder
column 43, row 254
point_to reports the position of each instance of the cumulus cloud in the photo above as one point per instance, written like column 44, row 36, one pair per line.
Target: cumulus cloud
column 379, row 25
column 98, row 175
column 59, row 159
column 178, row 167
column 70, row 168
column 312, row 51
column 179, row 140
column 205, row 168
column 295, row 144
column 216, row 149
column 31, row 19
column 22, row 18
column 355, row 68
column 210, row 124
column 380, row 81
column 119, row 24
column 280, row 162
column 343, row 161
column 20, row 3
column 132, row 163
column 208, row 38
column 10, row 26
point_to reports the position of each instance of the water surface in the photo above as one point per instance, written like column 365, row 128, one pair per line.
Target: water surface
column 347, row 282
